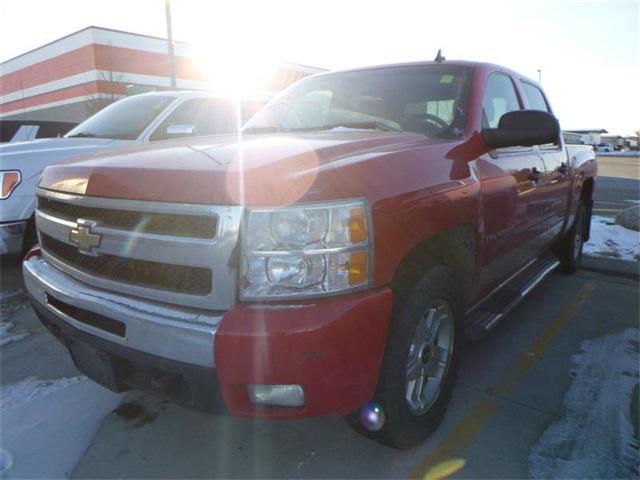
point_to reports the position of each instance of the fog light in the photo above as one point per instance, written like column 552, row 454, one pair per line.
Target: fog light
column 277, row 395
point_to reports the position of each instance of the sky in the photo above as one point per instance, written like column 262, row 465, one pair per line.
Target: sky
column 588, row 51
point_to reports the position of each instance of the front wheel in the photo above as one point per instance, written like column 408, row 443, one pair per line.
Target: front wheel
column 419, row 367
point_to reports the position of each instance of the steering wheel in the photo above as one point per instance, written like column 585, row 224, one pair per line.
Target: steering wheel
column 425, row 119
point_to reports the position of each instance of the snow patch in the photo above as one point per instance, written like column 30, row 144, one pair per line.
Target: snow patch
column 48, row 424
column 12, row 300
column 595, row 438
column 613, row 241
column 6, row 337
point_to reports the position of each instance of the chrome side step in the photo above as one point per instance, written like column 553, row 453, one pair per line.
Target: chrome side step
column 487, row 314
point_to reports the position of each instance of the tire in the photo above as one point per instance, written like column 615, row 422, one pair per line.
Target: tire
column 569, row 248
column 409, row 422
column 30, row 236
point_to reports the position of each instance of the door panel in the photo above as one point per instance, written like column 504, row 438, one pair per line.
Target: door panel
column 512, row 203
column 555, row 187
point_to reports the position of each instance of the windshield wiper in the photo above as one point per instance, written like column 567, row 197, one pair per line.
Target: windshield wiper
column 82, row 135
column 373, row 125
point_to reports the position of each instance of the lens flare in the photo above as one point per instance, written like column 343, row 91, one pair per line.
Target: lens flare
column 128, row 246
column 372, row 417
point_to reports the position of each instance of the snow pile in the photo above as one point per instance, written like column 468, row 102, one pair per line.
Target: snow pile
column 12, row 300
column 610, row 240
column 6, row 337
column 48, row 424
column 595, row 439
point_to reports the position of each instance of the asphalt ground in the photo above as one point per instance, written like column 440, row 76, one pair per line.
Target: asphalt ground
column 511, row 387
column 618, row 185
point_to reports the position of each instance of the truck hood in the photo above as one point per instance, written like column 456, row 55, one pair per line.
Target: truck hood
column 253, row 170
column 33, row 156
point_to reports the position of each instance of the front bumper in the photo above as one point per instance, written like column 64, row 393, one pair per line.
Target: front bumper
column 12, row 237
column 332, row 347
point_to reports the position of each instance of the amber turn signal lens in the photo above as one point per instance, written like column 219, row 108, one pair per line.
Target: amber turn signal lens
column 358, row 268
column 357, row 226
column 10, row 181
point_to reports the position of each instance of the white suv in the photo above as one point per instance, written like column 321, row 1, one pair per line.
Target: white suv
column 139, row 119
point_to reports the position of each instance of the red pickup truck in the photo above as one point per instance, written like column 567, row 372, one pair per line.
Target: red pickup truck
column 327, row 259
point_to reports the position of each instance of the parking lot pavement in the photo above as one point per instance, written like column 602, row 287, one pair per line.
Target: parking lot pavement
column 511, row 388
column 618, row 185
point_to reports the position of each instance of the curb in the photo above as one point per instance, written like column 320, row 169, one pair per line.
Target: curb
column 612, row 266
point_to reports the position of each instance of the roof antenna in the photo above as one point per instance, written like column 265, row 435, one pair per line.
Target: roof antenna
column 439, row 58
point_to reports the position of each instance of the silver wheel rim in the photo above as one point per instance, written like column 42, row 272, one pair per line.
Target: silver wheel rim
column 429, row 357
column 577, row 236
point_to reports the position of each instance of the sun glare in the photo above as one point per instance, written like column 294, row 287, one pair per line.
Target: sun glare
column 237, row 71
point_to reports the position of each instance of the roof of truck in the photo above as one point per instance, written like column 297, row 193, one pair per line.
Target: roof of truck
column 451, row 63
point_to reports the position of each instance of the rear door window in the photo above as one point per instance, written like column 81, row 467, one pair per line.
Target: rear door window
column 535, row 98
column 499, row 98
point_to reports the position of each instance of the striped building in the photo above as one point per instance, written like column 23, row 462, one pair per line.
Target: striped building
column 72, row 77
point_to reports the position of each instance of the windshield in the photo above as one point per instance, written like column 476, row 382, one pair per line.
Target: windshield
column 124, row 119
column 431, row 100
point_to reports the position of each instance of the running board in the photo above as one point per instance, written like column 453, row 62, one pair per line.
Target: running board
column 485, row 315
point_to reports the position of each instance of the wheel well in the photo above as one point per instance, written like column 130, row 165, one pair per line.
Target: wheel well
column 586, row 195
column 30, row 235
column 454, row 247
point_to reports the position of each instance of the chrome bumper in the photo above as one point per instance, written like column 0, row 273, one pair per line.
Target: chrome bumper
column 12, row 237
column 173, row 332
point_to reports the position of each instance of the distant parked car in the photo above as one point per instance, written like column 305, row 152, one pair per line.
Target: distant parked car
column 604, row 147
column 25, row 130
column 142, row 118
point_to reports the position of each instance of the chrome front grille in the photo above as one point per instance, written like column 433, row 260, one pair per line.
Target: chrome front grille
column 168, row 252
column 183, row 225
column 177, row 278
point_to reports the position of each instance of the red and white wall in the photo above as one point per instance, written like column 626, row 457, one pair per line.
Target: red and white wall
column 56, row 81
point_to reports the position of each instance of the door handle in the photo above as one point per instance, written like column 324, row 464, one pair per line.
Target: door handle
column 563, row 168
column 535, row 174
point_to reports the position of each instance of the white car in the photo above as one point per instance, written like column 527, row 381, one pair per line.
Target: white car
column 604, row 147
column 139, row 119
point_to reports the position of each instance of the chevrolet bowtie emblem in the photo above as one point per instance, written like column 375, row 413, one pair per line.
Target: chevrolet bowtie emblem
column 83, row 238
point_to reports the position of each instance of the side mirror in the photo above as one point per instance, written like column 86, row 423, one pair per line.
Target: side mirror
column 522, row 128
column 180, row 130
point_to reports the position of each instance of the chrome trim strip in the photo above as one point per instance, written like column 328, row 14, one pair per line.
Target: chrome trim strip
column 184, row 335
column 357, row 247
column 125, row 204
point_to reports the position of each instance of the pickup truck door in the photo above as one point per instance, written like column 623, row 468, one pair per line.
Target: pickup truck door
column 554, row 184
column 555, row 188
column 512, row 200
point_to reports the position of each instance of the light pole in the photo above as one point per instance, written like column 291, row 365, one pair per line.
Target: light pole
column 539, row 75
column 172, row 57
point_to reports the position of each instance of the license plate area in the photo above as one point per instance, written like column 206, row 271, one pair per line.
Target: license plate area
column 98, row 365
column 87, row 317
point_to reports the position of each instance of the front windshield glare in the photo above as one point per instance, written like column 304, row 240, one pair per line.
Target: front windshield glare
column 124, row 119
column 431, row 100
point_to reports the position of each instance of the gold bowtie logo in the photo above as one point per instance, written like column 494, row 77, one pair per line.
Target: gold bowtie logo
column 84, row 238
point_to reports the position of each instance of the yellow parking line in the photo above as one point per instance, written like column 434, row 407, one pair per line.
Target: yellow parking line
column 465, row 431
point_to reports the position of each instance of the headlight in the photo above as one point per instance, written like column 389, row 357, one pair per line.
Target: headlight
column 305, row 250
column 9, row 180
